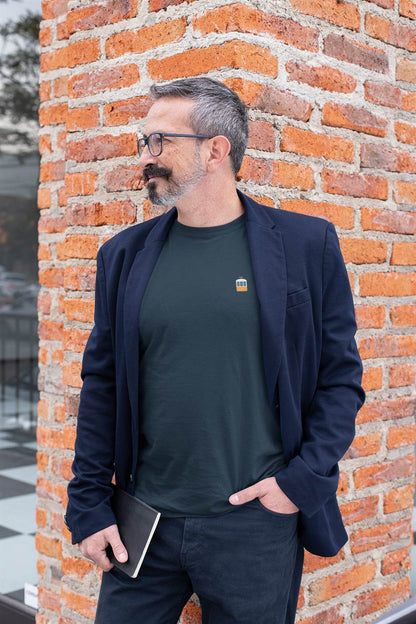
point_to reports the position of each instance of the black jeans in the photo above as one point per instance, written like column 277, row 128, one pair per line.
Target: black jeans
column 245, row 566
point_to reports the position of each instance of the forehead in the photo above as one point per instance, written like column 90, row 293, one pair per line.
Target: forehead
column 169, row 115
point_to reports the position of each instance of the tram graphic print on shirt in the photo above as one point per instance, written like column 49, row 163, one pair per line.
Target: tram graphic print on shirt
column 241, row 284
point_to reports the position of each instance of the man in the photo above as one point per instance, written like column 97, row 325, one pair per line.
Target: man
column 221, row 381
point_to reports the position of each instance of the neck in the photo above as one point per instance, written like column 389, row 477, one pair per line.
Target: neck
column 207, row 207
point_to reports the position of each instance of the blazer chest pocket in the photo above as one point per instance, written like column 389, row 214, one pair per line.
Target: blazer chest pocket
column 297, row 297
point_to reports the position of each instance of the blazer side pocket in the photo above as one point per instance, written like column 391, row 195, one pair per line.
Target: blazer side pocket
column 298, row 297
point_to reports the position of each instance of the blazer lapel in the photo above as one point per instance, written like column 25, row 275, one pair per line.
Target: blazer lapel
column 269, row 267
column 138, row 278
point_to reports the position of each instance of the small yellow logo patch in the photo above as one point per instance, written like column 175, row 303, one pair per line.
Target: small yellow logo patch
column 241, row 284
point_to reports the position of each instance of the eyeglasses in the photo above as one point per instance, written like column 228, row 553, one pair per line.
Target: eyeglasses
column 154, row 141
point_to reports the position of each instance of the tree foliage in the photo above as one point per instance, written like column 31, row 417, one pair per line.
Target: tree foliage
column 19, row 74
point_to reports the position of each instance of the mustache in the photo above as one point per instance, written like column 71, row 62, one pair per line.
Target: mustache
column 151, row 171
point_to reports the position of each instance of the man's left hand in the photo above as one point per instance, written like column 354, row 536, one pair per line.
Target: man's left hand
column 269, row 494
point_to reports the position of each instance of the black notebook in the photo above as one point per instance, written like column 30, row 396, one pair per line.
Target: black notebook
column 136, row 522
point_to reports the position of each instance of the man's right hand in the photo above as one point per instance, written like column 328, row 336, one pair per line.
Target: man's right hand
column 93, row 547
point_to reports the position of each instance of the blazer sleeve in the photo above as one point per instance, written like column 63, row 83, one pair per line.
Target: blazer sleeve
column 311, row 477
column 90, row 490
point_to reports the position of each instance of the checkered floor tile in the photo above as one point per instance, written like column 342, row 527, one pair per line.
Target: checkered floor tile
column 17, row 511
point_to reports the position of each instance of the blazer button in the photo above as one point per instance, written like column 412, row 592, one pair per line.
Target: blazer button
column 131, row 478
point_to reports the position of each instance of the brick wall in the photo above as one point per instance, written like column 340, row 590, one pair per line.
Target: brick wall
column 332, row 90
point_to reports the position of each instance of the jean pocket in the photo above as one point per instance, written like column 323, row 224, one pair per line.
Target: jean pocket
column 278, row 514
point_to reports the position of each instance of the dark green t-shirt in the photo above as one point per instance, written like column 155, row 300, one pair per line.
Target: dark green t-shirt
column 206, row 428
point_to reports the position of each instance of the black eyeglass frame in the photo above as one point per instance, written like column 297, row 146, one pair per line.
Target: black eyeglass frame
column 143, row 141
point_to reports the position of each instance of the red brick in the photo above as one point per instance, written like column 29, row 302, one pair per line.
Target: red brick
column 389, row 409
column 354, row 184
column 45, row 91
column 291, row 175
column 52, row 171
column 44, row 304
column 62, row 31
column 337, row 12
column 379, row 535
column 342, row 484
column 45, row 144
column 405, row 133
column 51, row 278
column 406, row 70
column 271, row 99
column 110, row 12
column 407, row 8
column 79, row 278
column 396, row 561
column 319, row 145
column 92, row 82
column 102, row 147
column 379, row 156
column 77, row 567
column 236, row 54
column 398, row 499
column 44, row 198
column 353, row 118
column 364, row 445
column 405, row 192
column 370, row 316
column 258, row 170
column 402, row 436
column 79, row 310
column 396, row 221
column 124, row 178
column 48, row 600
column 61, row 86
column 313, row 562
column 157, row 5
column 331, row 616
column 51, row 224
column 146, row 38
column 403, row 254
column 390, row 96
column 390, row 32
column 78, row 53
column 75, row 340
column 351, row 51
column 82, row 118
column 83, row 183
column 53, row 8
column 261, row 136
column 240, row 18
column 342, row 216
column 373, row 378
column 363, row 251
column 388, row 284
column 323, row 589
column 45, row 36
column 52, row 115
column 84, row 605
column 80, row 246
column 125, row 111
column 388, row 346
column 403, row 315
column 387, row 472
column 360, row 509
column 377, row 599
column 112, row 213
column 321, row 77
column 52, row 547
column 71, row 374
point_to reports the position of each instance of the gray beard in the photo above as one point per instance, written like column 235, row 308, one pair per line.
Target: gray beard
column 176, row 186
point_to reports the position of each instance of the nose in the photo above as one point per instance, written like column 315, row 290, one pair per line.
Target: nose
column 146, row 157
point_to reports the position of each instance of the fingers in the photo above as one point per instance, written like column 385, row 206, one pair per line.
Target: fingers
column 93, row 547
column 246, row 495
column 117, row 545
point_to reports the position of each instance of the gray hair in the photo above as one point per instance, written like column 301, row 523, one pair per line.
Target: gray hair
column 218, row 111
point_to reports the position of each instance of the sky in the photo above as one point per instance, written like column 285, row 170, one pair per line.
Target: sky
column 13, row 8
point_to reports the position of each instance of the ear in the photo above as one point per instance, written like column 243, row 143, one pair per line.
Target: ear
column 218, row 150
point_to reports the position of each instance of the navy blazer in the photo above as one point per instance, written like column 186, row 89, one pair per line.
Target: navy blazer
column 311, row 365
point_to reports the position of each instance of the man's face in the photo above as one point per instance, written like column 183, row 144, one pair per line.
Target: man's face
column 179, row 168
